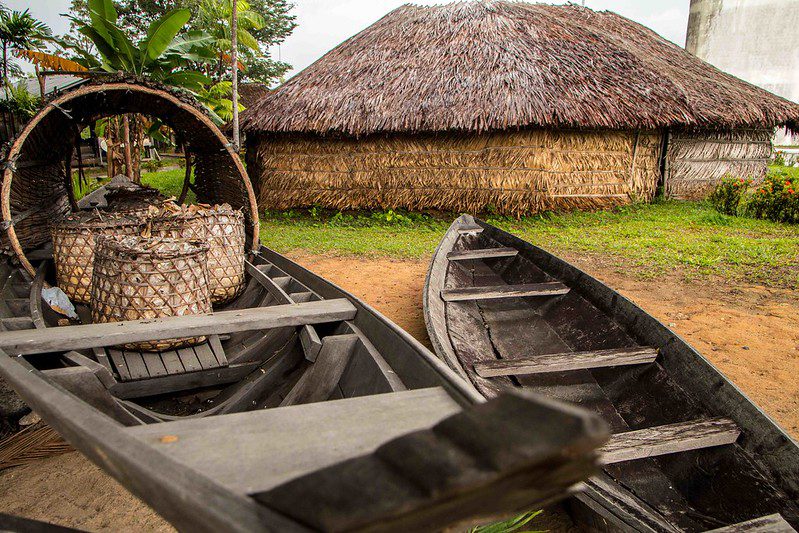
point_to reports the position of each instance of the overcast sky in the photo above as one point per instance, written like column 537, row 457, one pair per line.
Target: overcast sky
column 325, row 23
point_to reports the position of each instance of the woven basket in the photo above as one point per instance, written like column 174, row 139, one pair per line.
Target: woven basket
column 223, row 228
column 74, row 240
column 138, row 278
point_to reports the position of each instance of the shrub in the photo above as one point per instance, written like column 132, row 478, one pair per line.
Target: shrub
column 153, row 165
column 727, row 195
column 777, row 198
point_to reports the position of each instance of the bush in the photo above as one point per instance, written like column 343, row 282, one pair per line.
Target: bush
column 777, row 198
column 153, row 165
column 726, row 197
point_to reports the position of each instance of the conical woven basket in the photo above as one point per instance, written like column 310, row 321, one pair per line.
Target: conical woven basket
column 74, row 240
column 139, row 278
column 223, row 228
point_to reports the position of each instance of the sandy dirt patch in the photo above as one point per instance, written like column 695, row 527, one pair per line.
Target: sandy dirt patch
column 750, row 333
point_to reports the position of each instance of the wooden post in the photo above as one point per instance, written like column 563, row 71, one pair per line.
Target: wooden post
column 235, row 75
column 126, row 142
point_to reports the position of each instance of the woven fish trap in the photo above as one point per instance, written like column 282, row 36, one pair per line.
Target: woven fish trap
column 74, row 243
column 223, row 228
column 139, row 278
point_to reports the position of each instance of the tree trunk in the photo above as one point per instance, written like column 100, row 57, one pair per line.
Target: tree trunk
column 234, row 65
column 40, row 79
column 127, row 150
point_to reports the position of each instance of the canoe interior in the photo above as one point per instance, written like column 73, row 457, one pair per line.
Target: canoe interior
column 692, row 490
column 195, row 381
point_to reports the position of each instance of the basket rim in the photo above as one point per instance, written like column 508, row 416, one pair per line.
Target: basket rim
column 75, row 223
column 108, row 244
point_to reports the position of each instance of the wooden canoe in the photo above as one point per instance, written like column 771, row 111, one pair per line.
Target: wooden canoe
column 304, row 410
column 508, row 315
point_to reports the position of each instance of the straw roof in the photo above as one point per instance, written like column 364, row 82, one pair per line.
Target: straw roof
column 489, row 65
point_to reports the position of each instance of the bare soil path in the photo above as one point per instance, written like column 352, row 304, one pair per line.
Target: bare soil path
column 750, row 333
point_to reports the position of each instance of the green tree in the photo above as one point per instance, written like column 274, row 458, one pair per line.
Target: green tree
column 19, row 30
column 275, row 23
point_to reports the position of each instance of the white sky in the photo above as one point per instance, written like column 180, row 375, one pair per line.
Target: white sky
column 325, row 23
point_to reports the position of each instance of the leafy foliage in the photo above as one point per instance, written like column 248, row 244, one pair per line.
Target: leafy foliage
column 513, row 525
column 777, row 198
column 727, row 195
column 20, row 102
column 19, row 30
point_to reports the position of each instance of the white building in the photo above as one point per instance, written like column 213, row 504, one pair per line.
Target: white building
column 755, row 40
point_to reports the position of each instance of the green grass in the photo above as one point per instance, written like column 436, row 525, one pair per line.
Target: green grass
column 646, row 240
column 169, row 182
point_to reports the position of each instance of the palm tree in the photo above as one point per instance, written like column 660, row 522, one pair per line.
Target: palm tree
column 20, row 31
column 215, row 17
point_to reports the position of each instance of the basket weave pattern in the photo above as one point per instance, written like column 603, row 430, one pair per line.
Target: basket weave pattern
column 223, row 228
column 139, row 278
column 74, row 241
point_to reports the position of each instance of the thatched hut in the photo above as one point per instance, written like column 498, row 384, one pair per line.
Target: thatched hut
column 506, row 105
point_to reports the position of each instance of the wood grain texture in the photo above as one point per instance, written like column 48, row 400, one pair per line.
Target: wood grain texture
column 111, row 334
column 553, row 288
column 509, row 453
column 322, row 377
column 672, row 438
column 482, row 253
column 559, row 362
column 299, row 439
column 774, row 523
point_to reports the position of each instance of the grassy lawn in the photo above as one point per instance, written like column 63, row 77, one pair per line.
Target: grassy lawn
column 645, row 239
column 169, row 182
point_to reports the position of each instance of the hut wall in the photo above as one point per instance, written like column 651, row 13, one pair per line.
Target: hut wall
column 510, row 172
column 697, row 160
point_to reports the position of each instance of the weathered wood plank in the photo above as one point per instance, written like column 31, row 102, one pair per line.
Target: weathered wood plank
column 219, row 351
column 103, row 374
column 559, row 362
column 136, row 365
column 672, row 438
column 773, row 523
column 323, row 376
column 186, row 498
column 189, row 360
column 154, row 363
column 298, row 437
column 206, row 356
column 480, row 459
column 172, row 362
column 177, row 382
column 469, row 230
column 482, row 253
column 121, row 366
column 463, row 294
column 111, row 334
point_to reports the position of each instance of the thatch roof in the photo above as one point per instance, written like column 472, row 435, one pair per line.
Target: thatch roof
column 488, row 65
column 250, row 93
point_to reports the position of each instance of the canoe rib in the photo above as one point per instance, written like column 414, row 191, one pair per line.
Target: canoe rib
column 561, row 362
column 114, row 333
column 551, row 288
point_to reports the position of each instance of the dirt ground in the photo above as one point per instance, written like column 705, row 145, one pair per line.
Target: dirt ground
column 750, row 333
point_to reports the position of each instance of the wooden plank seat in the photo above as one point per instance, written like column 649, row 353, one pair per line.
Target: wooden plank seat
column 463, row 294
column 133, row 365
column 670, row 438
column 67, row 338
column 482, row 253
column 561, row 362
column 299, row 436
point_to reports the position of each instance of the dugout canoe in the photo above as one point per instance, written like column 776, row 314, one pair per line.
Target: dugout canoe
column 305, row 410
column 507, row 315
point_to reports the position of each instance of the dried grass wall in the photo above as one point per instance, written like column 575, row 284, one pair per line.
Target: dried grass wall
column 511, row 172
column 696, row 161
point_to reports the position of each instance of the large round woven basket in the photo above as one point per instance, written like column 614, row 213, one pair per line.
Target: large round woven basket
column 74, row 241
column 139, row 278
column 223, row 228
